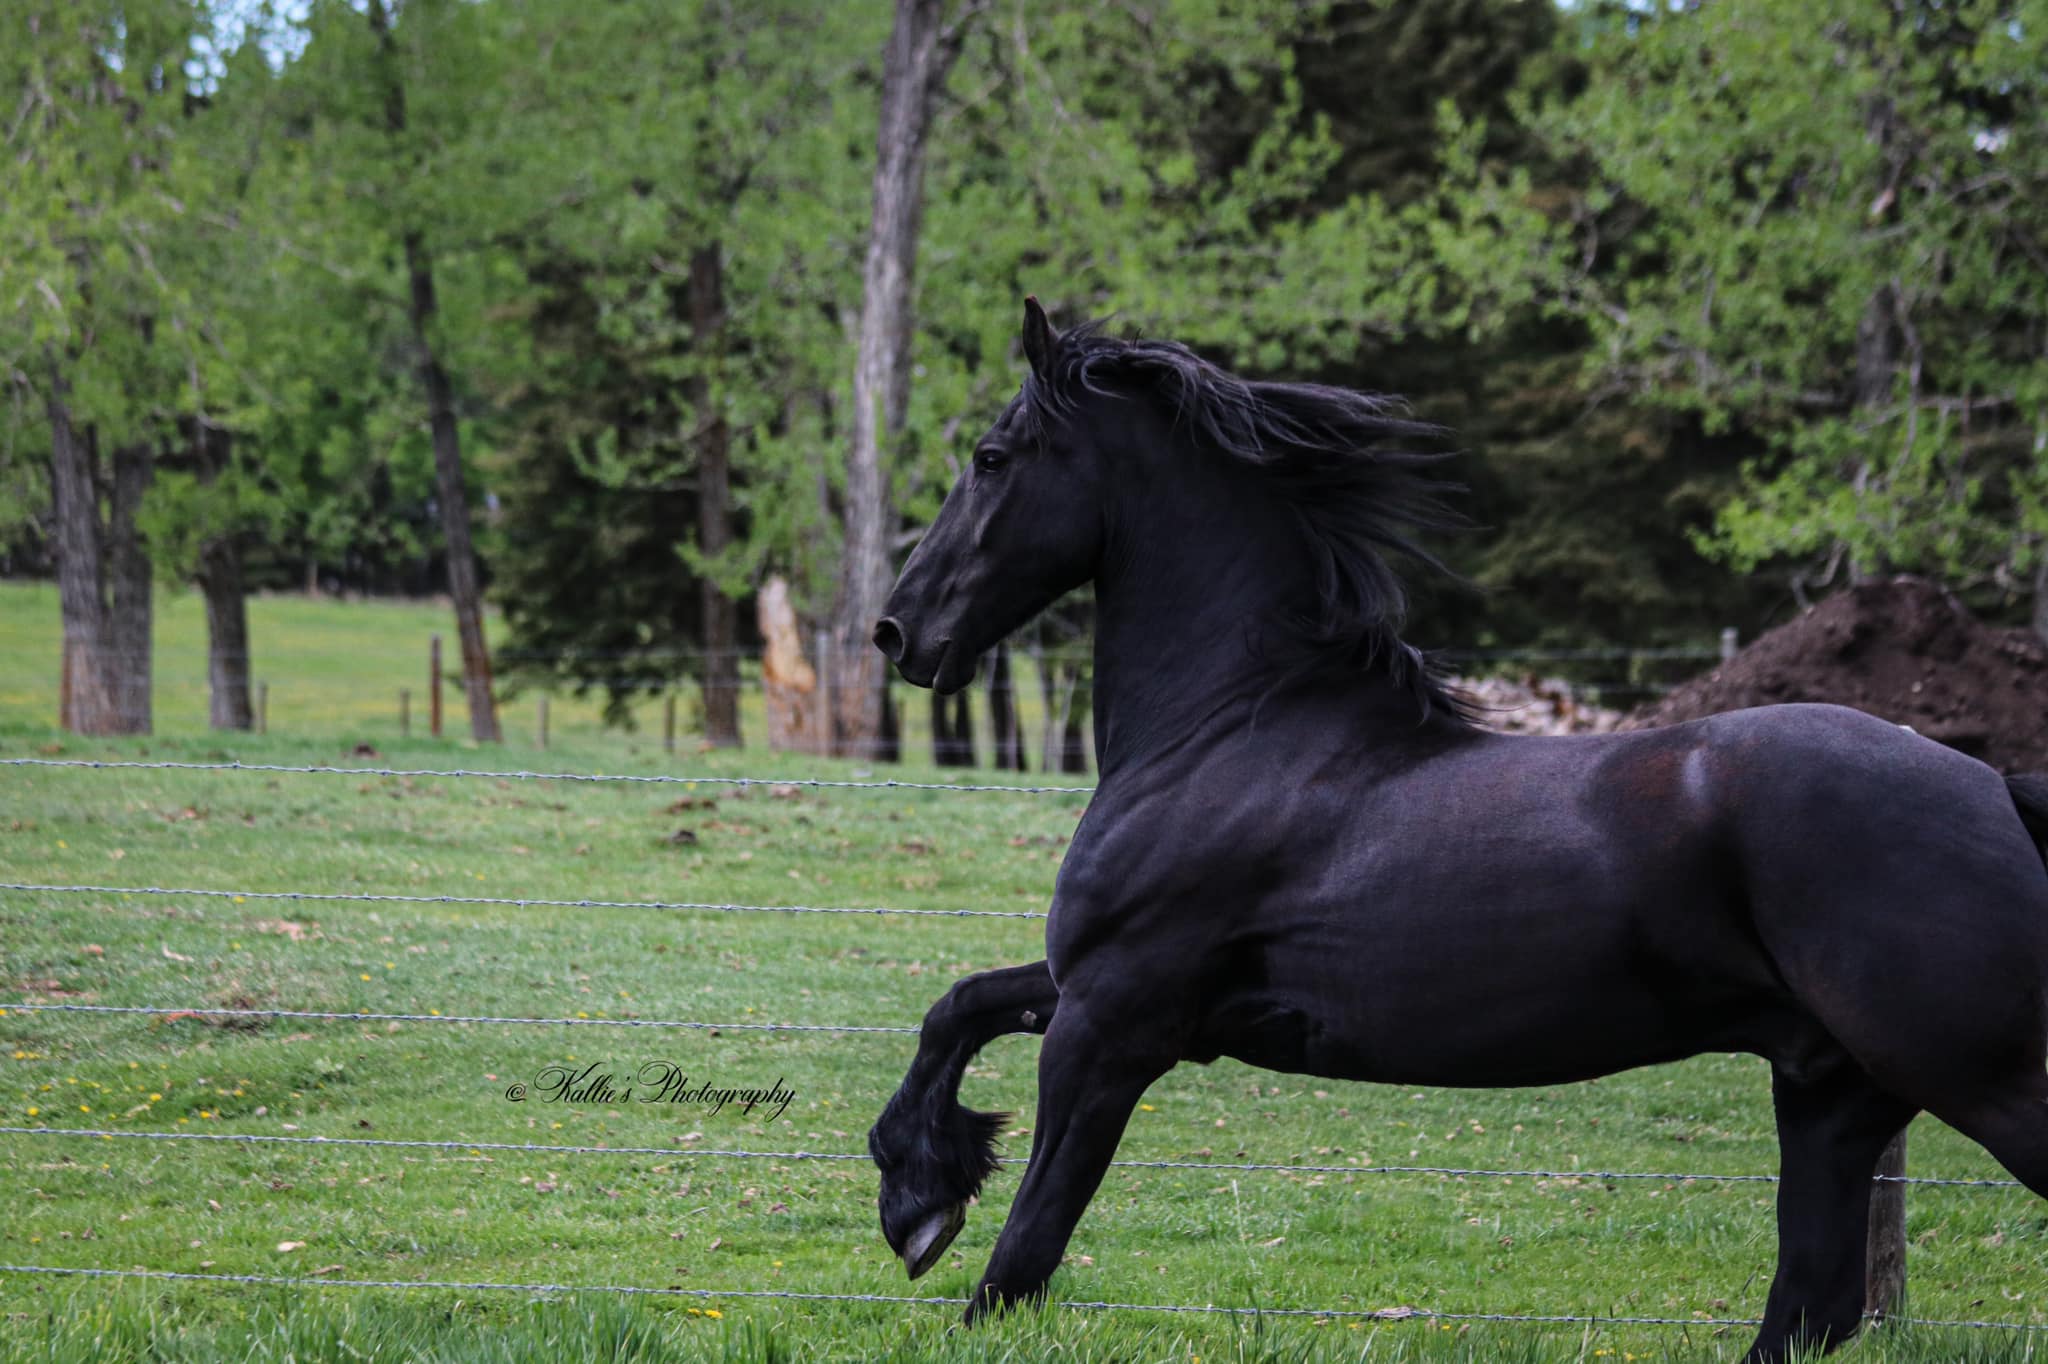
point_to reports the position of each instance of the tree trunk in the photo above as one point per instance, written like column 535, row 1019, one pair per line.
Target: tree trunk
column 87, row 702
column 1048, row 697
column 227, row 633
column 920, row 51
column 220, row 582
column 720, row 676
column 129, row 580
column 463, row 586
column 1002, row 713
column 2041, row 601
column 952, row 730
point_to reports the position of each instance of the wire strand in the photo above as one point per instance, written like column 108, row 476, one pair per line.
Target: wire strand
column 519, row 901
column 1381, row 1314
column 656, row 778
column 209, row 1011
column 1583, row 1176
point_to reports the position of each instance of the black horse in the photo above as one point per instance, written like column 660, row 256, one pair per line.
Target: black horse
column 1382, row 889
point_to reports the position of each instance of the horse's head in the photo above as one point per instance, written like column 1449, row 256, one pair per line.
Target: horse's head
column 1023, row 525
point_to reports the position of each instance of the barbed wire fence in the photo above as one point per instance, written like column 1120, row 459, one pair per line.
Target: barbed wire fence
column 687, row 1150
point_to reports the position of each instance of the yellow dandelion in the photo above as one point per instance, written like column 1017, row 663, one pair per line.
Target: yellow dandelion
column 713, row 1313
column 33, row 1111
column 1147, row 1108
column 85, row 1108
column 366, row 975
column 435, row 1012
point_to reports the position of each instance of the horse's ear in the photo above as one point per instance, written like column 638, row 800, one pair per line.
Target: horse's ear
column 1038, row 337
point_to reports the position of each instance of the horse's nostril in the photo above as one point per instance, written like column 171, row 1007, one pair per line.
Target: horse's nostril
column 889, row 639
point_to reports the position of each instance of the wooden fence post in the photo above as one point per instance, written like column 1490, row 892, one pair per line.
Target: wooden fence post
column 405, row 712
column 1884, row 1276
column 668, row 724
column 434, row 686
column 543, row 722
column 1731, row 642
column 263, row 708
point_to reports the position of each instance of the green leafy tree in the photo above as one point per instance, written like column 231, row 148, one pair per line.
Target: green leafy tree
column 681, row 346
column 1817, row 229
column 102, row 342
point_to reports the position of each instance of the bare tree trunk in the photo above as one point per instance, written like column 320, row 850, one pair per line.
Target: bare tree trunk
column 463, row 586
column 221, row 583
column 88, row 704
column 129, row 581
column 1074, row 753
column 1055, row 710
column 920, row 52
column 2041, row 602
column 720, row 676
column 952, row 730
column 1002, row 713
column 227, row 633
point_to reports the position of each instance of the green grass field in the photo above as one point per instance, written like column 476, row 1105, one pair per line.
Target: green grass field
column 336, row 667
column 684, row 1220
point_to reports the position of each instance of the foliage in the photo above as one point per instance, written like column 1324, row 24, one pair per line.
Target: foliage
column 1819, row 229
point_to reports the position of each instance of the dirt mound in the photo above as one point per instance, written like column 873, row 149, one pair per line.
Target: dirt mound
column 1902, row 649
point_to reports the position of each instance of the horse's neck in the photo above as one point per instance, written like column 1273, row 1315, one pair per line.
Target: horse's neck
column 1180, row 616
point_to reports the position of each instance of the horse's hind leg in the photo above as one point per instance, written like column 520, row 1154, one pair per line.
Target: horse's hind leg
column 2010, row 1121
column 1833, row 1123
column 934, row 1154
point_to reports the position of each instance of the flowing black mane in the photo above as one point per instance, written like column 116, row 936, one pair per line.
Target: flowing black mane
column 1343, row 463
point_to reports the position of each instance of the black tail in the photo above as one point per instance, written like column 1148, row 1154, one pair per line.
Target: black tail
column 2030, row 798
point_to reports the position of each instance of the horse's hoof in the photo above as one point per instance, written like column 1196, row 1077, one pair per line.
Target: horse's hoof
column 931, row 1237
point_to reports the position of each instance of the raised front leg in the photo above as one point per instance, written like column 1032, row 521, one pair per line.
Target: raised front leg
column 1094, row 1067
column 934, row 1154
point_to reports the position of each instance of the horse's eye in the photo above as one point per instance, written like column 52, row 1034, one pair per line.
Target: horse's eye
column 988, row 459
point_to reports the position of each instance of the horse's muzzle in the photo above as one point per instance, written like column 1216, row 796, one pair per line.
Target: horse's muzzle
column 946, row 669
